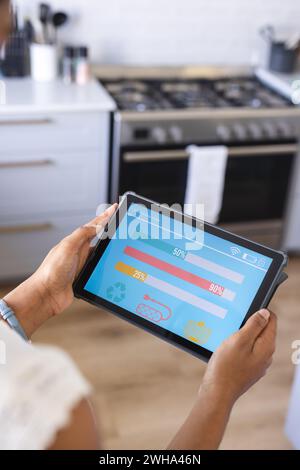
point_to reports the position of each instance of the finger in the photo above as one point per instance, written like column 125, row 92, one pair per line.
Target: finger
column 80, row 236
column 99, row 221
column 88, row 231
column 265, row 343
column 83, row 256
column 254, row 326
column 102, row 218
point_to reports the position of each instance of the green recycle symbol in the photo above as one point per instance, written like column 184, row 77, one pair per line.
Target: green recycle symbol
column 116, row 292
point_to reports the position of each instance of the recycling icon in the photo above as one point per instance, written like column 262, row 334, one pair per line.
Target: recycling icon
column 116, row 292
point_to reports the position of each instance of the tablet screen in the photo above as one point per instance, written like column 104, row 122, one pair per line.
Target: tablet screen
column 184, row 279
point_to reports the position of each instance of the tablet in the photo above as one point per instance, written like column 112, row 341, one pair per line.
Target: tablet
column 186, row 281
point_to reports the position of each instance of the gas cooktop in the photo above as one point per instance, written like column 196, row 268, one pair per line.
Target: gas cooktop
column 153, row 94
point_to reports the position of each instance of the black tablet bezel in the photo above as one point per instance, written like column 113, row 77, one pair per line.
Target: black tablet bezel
column 261, row 299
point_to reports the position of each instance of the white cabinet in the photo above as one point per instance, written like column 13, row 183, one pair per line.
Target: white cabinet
column 291, row 239
column 51, row 182
column 25, row 242
column 50, row 131
column 53, row 175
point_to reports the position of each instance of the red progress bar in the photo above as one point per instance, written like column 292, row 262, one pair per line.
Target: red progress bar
column 174, row 270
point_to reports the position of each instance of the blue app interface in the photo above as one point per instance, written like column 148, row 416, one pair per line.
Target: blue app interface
column 185, row 280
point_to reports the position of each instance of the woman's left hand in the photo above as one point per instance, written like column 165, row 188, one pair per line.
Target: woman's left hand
column 49, row 291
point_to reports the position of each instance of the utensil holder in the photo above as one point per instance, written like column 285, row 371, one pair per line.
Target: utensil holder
column 16, row 60
column 43, row 59
column 282, row 59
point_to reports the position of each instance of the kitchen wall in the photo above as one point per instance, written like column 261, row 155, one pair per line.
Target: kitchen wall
column 174, row 31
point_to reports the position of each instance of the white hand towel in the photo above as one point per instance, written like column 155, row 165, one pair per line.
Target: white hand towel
column 205, row 181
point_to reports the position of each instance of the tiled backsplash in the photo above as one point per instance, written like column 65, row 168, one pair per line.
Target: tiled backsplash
column 174, row 31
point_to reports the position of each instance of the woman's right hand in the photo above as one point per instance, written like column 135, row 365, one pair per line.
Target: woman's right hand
column 237, row 364
column 242, row 359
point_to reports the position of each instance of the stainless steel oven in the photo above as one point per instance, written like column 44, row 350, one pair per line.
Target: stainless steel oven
column 256, row 184
column 162, row 111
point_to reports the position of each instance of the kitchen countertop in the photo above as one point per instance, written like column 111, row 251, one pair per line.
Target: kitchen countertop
column 23, row 95
column 107, row 71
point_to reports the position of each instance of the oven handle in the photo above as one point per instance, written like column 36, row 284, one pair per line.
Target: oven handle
column 248, row 151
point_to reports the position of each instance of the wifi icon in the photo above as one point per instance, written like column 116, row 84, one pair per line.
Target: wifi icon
column 235, row 250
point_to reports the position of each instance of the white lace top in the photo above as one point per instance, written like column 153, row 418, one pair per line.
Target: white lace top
column 39, row 387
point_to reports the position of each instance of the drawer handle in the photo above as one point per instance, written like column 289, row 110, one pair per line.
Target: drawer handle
column 26, row 122
column 25, row 164
column 29, row 228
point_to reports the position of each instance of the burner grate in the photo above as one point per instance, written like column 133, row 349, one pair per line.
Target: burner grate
column 147, row 95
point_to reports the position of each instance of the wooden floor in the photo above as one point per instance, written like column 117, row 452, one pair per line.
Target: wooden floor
column 143, row 388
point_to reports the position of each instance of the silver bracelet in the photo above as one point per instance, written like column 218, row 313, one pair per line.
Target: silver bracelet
column 9, row 316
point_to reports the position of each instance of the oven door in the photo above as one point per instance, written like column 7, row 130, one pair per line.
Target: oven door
column 256, row 182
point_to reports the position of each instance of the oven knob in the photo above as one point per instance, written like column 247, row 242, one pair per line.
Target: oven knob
column 223, row 132
column 159, row 135
column 269, row 130
column 255, row 131
column 284, row 129
column 239, row 131
column 175, row 134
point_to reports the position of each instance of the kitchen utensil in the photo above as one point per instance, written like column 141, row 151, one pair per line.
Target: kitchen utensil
column 293, row 41
column 58, row 20
column 15, row 25
column 267, row 32
column 45, row 18
column 38, row 30
column 29, row 31
column 282, row 54
column 16, row 54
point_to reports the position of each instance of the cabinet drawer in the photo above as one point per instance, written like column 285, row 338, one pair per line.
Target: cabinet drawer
column 51, row 183
column 52, row 131
column 24, row 245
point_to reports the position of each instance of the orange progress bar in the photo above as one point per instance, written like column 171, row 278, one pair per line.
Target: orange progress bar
column 130, row 271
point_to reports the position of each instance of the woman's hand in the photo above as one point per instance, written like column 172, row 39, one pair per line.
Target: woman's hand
column 64, row 262
column 49, row 290
column 237, row 364
column 243, row 358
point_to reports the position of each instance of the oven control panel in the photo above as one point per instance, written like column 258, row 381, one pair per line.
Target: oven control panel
column 265, row 130
column 209, row 131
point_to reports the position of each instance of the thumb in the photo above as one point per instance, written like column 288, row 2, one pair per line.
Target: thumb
column 255, row 325
column 87, row 232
